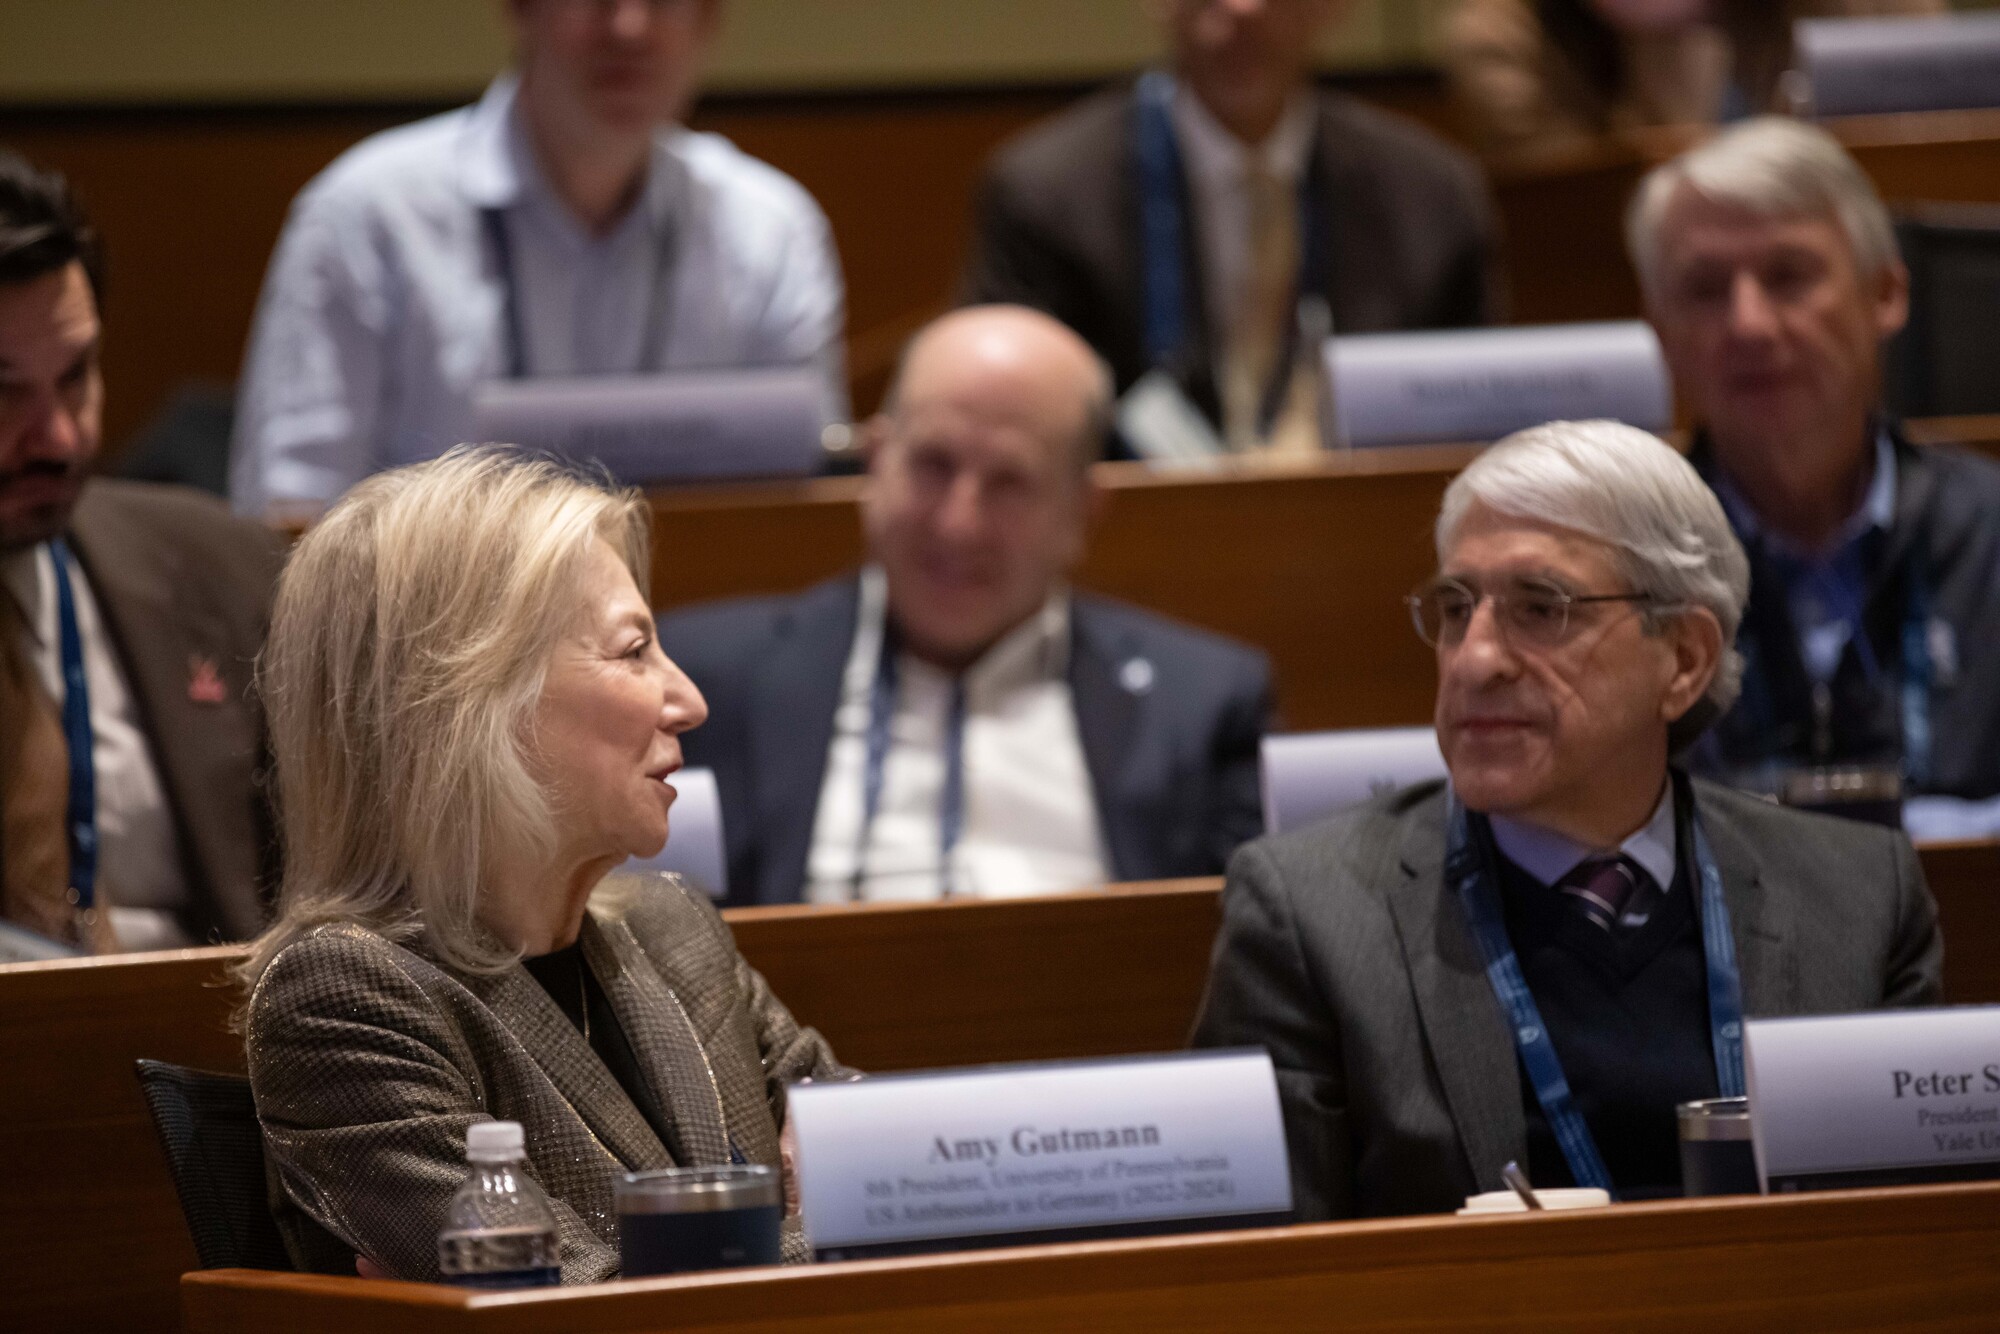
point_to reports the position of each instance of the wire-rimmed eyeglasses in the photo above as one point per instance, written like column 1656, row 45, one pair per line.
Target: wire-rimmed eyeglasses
column 1530, row 612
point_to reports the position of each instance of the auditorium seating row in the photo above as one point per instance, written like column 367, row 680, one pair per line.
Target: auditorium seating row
column 193, row 199
column 94, row 1237
column 1308, row 561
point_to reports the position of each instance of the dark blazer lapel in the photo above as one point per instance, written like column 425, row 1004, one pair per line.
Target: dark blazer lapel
column 664, row 1040
column 1758, row 915
column 553, row 1043
column 1463, row 1024
column 1333, row 176
column 794, row 698
column 203, row 751
column 1108, row 719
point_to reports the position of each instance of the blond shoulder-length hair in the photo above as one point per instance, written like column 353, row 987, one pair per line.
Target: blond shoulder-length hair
column 411, row 637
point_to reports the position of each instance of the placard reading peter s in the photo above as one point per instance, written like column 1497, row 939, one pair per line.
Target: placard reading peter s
column 1043, row 1152
column 1889, row 1098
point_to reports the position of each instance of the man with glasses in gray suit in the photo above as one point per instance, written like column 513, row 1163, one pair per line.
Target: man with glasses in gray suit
column 1536, row 960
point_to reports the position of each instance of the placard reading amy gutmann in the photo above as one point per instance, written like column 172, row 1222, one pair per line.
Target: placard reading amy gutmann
column 1000, row 1152
column 1867, row 1099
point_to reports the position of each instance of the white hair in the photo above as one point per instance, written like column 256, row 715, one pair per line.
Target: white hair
column 1634, row 493
column 1770, row 167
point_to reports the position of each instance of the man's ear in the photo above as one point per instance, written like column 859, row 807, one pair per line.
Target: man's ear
column 1892, row 299
column 1696, row 639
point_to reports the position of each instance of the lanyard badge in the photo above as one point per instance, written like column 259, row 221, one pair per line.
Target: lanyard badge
column 1469, row 869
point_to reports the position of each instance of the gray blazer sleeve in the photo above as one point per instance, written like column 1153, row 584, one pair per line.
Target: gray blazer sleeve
column 1261, row 993
column 790, row 1051
column 1913, row 974
column 365, row 1088
column 1237, row 812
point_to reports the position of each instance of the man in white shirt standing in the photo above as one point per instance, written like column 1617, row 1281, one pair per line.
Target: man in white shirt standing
column 565, row 225
column 954, row 719
column 130, row 614
column 1205, row 219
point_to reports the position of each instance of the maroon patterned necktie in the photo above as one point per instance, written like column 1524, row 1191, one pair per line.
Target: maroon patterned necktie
column 1602, row 888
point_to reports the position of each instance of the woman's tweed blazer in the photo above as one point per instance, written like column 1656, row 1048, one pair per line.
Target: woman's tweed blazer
column 369, row 1061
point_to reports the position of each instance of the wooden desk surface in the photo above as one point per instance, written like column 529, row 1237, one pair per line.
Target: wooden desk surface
column 1913, row 1259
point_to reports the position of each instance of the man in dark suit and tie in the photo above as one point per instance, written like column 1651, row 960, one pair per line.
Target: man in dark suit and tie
column 1537, row 960
column 953, row 719
column 129, row 619
column 1197, row 220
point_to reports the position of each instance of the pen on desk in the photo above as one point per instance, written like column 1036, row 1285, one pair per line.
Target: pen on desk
column 1515, row 1177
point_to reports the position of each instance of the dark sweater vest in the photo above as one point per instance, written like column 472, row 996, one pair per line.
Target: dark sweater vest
column 1628, row 1015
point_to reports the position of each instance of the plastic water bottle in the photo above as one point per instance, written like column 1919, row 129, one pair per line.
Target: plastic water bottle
column 499, row 1231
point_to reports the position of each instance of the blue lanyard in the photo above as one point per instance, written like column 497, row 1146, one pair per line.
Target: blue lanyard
column 1913, row 688
column 951, row 802
column 1476, row 880
column 514, row 320
column 1914, row 693
column 82, row 823
column 1163, row 223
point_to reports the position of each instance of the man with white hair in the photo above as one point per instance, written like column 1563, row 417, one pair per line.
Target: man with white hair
column 1771, row 274
column 954, row 720
column 1536, row 960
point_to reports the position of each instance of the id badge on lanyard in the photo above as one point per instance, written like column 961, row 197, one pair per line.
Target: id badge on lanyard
column 1163, row 227
column 1476, row 882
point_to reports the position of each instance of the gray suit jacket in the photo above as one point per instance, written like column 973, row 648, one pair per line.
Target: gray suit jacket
column 1345, row 954
column 369, row 1061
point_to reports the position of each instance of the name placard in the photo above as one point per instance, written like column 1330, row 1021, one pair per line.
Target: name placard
column 678, row 426
column 1857, row 67
column 1480, row 384
column 1308, row 776
column 1003, row 1154
column 1890, row 1098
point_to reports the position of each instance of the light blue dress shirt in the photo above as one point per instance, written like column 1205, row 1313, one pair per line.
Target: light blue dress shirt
column 386, row 305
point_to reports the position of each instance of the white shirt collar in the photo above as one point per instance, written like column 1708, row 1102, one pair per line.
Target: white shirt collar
column 1549, row 856
column 1035, row 650
column 1211, row 153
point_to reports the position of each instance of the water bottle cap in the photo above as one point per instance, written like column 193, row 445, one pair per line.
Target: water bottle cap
column 494, row 1142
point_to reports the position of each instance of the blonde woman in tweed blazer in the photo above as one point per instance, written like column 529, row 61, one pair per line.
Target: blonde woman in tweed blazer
column 473, row 725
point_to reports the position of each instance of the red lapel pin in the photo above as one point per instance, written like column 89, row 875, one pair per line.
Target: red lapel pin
column 205, row 683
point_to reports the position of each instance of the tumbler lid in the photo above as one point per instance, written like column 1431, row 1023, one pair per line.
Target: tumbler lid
column 697, row 1190
column 1715, row 1118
